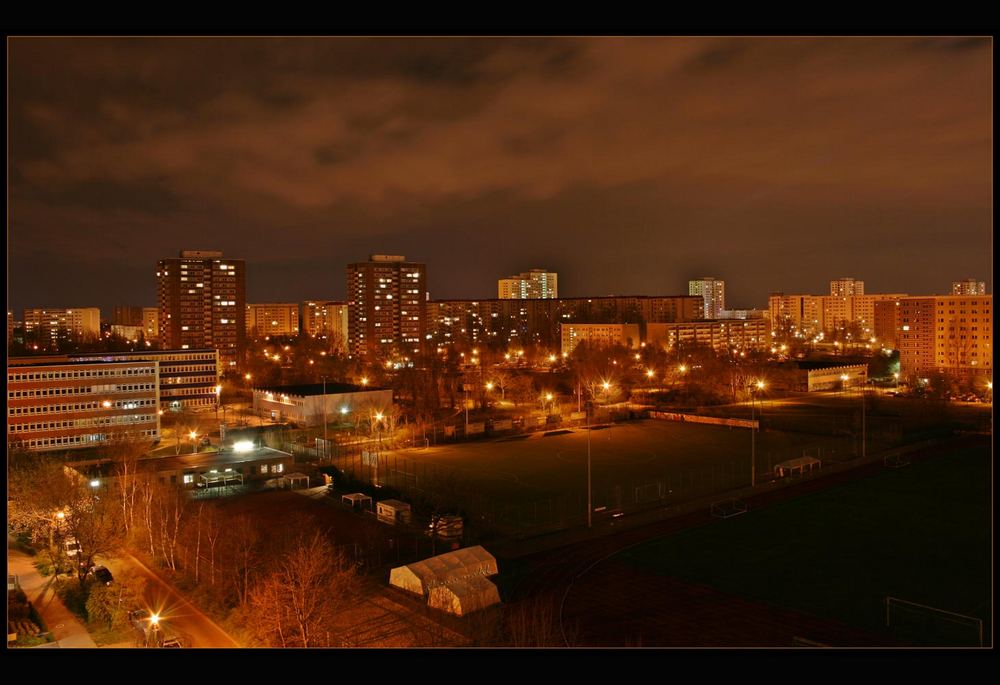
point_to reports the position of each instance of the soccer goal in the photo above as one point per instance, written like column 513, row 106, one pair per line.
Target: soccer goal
column 728, row 508
column 931, row 626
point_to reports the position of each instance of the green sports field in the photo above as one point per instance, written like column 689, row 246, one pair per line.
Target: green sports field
column 538, row 480
column 920, row 533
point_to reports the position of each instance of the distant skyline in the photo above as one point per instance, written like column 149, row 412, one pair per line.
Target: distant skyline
column 627, row 165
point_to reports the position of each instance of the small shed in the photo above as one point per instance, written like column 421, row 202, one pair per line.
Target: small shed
column 392, row 511
column 461, row 597
column 419, row 577
column 797, row 466
column 357, row 501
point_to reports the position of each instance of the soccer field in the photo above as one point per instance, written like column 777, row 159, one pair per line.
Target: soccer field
column 540, row 479
column 920, row 533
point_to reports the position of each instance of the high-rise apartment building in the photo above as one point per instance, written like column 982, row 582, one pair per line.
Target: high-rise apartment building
column 712, row 292
column 946, row 333
column 49, row 327
column 538, row 321
column 151, row 323
column 847, row 287
column 272, row 319
column 202, row 304
column 127, row 315
column 969, row 286
column 386, row 300
column 537, row 284
column 326, row 318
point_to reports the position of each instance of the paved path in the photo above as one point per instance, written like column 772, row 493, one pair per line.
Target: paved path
column 180, row 614
column 64, row 626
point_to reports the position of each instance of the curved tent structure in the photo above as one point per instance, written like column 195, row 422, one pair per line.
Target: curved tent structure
column 421, row 576
column 462, row 597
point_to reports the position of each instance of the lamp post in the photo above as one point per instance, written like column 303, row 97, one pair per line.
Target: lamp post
column 326, row 449
column 194, row 445
column 590, row 504
column 759, row 385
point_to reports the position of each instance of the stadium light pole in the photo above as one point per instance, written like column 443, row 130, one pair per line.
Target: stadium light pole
column 326, row 445
column 590, row 505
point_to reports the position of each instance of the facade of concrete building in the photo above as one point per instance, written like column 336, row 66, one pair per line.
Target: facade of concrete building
column 538, row 321
column 133, row 333
column 62, row 405
column 188, row 378
column 48, row 327
column 969, row 286
column 599, row 334
column 151, row 323
column 837, row 377
column 796, row 313
column 280, row 319
column 813, row 314
column 720, row 335
column 946, row 333
column 846, row 287
column 886, row 317
column 386, row 306
column 537, row 284
column 326, row 318
column 713, row 294
column 308, row 404
column 202, row 304
column 127, row 315
column 744, row 314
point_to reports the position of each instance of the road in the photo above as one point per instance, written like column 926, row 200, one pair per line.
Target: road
column 178, row 614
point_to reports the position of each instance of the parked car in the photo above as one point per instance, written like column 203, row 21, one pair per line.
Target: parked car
column 72, row 547
column 102, row 574
column 139, row 618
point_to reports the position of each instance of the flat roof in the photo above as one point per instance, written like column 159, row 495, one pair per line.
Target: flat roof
column 310, row 389
column 198, row 460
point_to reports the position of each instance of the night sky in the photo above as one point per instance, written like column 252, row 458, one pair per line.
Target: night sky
column 627, row 165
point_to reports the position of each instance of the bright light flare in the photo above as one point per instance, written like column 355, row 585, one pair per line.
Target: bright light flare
column 243, row 446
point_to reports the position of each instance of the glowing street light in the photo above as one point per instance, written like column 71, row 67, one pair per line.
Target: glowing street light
column 649, row 373
column 364, row 381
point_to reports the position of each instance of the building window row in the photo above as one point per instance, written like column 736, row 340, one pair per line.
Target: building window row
column 84, row 406
column 81, row 423
column 83, row 373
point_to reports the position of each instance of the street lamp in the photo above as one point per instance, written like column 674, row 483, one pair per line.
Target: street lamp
column 194, row 446
column 759, row 385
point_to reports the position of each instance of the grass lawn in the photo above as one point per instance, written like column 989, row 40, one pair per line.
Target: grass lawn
column 920, row 533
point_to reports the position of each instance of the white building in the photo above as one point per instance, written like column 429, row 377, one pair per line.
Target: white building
column 307, row 404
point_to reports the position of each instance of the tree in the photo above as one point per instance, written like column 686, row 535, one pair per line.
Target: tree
column 293, row 605
column 125, row 451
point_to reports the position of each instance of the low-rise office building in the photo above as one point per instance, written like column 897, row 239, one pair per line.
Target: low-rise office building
column 238, row 464
column 308, row 404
